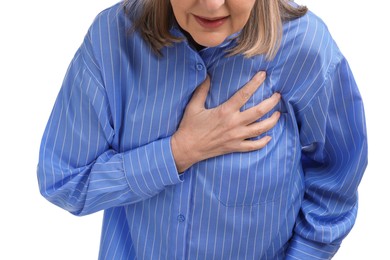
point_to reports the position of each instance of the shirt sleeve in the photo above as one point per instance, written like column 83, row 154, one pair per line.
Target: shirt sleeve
column 334, row 157
column 78, row 168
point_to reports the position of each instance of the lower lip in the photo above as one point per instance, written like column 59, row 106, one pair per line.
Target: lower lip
column 210, row 24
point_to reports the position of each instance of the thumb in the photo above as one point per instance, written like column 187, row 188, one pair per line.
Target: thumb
column 200, row 94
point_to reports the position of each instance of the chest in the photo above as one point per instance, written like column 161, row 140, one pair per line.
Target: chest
column 148, row 99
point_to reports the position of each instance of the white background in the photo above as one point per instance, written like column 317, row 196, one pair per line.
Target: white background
column 39, row 39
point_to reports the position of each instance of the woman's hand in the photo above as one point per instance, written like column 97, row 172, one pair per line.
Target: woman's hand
column 205, row 133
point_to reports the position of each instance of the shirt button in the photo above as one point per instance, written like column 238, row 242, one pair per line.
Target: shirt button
column 181, row 218
column 199, row 66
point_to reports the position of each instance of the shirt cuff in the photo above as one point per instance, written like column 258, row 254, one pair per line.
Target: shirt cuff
column 301, row 248
column 150, row 168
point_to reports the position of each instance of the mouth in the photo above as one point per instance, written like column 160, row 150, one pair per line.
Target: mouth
column 211, row 22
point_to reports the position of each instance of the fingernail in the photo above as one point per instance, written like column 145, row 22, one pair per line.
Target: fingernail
column 262, row 74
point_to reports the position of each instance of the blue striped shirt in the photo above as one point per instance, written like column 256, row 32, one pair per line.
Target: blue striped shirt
column 107, row 147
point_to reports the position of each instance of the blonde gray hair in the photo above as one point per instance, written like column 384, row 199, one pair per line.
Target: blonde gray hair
column 262, row 33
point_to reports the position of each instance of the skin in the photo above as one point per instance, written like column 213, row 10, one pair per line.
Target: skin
column 206, row 133
column 210, row 22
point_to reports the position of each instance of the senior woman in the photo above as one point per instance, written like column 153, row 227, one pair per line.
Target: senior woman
column 208, row 129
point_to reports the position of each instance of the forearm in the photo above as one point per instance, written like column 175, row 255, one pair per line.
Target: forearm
column 318, row 234
column 328, row 212
column 79, row 168
column 113, row 179
column 301, row 248
column 334, row 158
column 329, row 207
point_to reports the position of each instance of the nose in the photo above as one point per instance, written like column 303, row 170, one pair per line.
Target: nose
column 212, row 5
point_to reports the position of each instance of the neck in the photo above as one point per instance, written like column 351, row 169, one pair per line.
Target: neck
column 191, row 41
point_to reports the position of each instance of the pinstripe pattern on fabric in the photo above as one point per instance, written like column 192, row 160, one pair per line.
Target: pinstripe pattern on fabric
column 107, row 147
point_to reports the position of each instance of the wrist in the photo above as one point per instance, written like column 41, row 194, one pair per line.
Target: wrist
column 182, row 154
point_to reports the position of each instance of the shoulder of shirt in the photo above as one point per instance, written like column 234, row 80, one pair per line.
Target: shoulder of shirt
column 107, row 30
column 307, row 57
column 308, row 40
column 309, row 37
column 110, row 13
column 108, row 22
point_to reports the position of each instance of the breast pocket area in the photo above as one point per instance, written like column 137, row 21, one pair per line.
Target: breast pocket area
column 258, row 177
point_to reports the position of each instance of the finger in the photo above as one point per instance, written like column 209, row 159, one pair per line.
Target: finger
column 200, row 94
column 249, row 145
column 259, row 128
column 254, row 113
column 242, row 95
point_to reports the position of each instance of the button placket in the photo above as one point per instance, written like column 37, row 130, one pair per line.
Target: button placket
column 199, row 66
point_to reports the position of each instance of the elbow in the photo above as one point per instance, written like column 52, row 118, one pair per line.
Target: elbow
column 59, row 192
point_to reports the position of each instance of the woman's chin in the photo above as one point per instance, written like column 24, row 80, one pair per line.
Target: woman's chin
column 209, row 42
